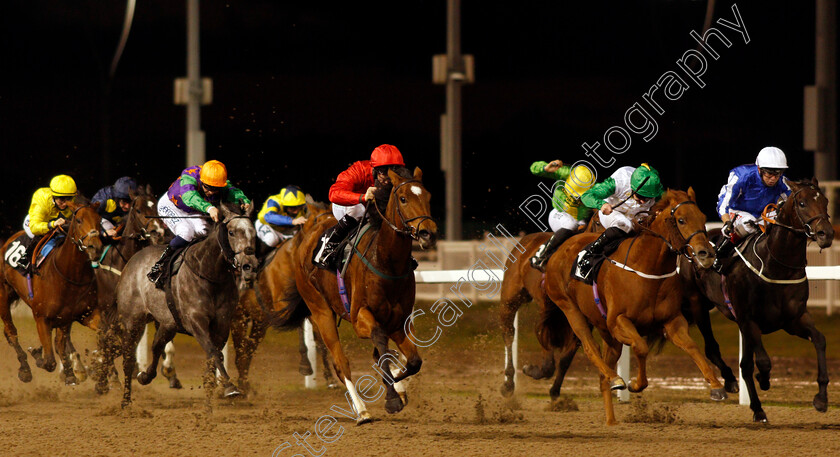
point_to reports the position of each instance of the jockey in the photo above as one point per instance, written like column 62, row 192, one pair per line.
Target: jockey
column 49, row 210
column 568, row 213
column 114, row 203
column 352, row 189
column 747, row 191
column 628, row 192
column 280, row 215
column 197, row 191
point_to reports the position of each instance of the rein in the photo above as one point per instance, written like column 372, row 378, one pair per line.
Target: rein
column 410, row 231
column 227, row 252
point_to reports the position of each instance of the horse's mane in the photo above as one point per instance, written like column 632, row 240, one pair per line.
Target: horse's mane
column 381, row 197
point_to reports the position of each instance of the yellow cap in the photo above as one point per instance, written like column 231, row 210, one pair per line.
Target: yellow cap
column 579, row 181
column 63, row 186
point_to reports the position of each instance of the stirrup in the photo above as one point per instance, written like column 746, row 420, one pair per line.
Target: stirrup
column 324, row 258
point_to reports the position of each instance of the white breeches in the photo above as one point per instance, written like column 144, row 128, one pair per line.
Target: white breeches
column 185, row 227
column 562, row 219
column 616, row 219
column 268, row 235
column 743, row 223
column 356, row 211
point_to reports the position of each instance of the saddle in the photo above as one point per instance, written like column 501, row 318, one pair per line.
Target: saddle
column 597, row 261
column 173, row 265
column 23, row 250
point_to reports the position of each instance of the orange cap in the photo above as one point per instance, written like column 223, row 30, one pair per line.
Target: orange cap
column 214, row 174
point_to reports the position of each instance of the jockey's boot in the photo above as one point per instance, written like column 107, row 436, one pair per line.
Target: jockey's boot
column 156, row 272
column 722, row 251
column 325, row 251
column 539, row 259
column 596, row 248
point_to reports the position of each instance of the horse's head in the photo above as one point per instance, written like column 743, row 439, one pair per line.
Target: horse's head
column 682, row 223
column 84, row 227
column 238, row 238
column 806, row 211
column 408, row 207
column 144, row 226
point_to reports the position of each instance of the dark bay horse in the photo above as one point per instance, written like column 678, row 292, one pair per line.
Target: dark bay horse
column 768, row 289
column 272, row 301
column 640, row 305
column 379, row 282
column 203, row 293
column 64, row 291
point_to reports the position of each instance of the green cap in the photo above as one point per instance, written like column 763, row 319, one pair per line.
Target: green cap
column 645, row 182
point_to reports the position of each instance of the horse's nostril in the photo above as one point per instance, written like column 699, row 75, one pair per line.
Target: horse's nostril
column 246, row 267
column 425, row 234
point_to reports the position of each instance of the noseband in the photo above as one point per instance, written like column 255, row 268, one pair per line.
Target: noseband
column 806, row 229
column 227, row 251
column 683, row 250
column 79, row 242
column 408, row 230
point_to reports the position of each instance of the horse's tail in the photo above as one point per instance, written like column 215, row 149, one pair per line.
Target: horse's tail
column 292, row 315
column 553, row 329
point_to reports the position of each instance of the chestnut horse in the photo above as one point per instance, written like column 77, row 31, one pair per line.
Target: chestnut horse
column 770, row 292
column 379, row 282
column 63, row 289
column 645, row 295
column 268, row 303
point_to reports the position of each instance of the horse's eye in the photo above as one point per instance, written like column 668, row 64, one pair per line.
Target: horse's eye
column 682, row 221
column 402, row 200
column 802, row 204
column 230, row 232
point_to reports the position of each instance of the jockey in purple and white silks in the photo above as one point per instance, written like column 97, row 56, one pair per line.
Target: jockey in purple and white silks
column 748, row 190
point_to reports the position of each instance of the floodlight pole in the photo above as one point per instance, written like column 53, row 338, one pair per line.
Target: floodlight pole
column 825, row 156
column 452, row 132
column 195, row 136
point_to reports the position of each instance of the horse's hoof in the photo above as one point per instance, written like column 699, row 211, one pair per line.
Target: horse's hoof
column 333, row 385
column 70, row 380
column 760, row 417
column 231, row 392
column 144, row 378
column 364, row 418
column 617, row 384
column 102, row 388
column 636, row 387
column 80, row 375
column 535, row 372
column 25, row 375
column 718, row 395
column 50, row 366
column 305, row 368
column 820, row 403
column 507, row 388
column 732, row 386
column 175, row 383
column 403, row 398
column 393, row 405
column 763, row 381
column 37, row 354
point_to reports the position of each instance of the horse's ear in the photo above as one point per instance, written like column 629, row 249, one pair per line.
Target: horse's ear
column 132, row 194
column 95, row 206
column 250, row 211
column 814, row 181
column 418, row 174
column 149, row 190
column 691, row 195
column 395, row 178
column 226, row 214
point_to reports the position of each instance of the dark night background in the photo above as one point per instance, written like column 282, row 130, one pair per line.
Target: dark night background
column 302, row 89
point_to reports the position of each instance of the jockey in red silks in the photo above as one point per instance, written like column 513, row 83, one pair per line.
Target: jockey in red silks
column 352, row 189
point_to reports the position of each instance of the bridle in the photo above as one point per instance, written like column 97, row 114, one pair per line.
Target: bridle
column 806, row 229
column 227, row 251
column 79, row 242
column 408, row 230
column 686, row 246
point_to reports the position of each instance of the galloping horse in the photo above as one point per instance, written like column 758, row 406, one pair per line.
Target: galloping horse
column 63, row 291
column 643, row 295
column 267, row 303
column 379, row 283
column 768, row 290
column 200, row 301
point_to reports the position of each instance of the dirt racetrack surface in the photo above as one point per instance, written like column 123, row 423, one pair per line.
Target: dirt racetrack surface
column 454, row 407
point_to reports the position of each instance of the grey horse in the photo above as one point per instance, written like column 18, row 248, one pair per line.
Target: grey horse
column 204, row 295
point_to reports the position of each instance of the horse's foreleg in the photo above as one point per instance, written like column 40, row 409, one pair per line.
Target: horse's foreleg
column 410, row 357
column 213, row 348
column 79, row 368
column 804, row 328
column 625, row 332
column 749, row 332
column 62, row 342
column 9, row 329
column 507, row 315
column 45, row 358
column 329, row 379
column 563, row 365
column 245, row 344
column 676, row 330
column 383, row 363
column 712, row 349
column 580, row 326
column 167, row 367
column 163, row 335
column 323, row 319
column 304, row 367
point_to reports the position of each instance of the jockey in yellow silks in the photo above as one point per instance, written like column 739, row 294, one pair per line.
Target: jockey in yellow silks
column 49, row 209
column 280, row 215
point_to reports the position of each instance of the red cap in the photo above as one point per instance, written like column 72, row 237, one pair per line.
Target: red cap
column 386, row 155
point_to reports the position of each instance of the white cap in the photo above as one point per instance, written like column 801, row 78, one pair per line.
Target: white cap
column 771, row 157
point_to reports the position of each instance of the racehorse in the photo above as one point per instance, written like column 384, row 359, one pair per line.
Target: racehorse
column 642, row 295
column 379, row 283
column 199, row 300
column 267, row 303
column 767, row 288
column 63, row 291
